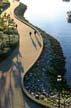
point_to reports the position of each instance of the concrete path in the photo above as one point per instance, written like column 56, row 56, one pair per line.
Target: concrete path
column 12, row 70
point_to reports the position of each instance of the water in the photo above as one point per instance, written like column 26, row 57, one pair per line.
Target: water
column 50, row 15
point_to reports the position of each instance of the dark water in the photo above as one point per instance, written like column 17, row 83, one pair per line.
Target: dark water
column 50, row 15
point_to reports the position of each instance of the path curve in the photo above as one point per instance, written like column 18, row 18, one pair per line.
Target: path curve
column 29, row 52
column 29, row 49
column 39, row 102
column 22, row 81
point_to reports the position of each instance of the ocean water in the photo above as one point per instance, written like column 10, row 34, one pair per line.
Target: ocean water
column 50, row 15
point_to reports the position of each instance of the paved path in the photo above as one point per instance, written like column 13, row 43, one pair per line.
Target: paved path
column 11, row 71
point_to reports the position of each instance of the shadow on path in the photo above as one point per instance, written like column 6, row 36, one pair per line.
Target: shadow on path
column 33, row 42
column 9, row 93
column 6, row 65
column 2, row 90
column 38, row 40
column 17, row 69
column 10, row 72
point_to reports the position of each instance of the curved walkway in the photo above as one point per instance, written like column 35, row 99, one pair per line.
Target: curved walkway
column 29, row 51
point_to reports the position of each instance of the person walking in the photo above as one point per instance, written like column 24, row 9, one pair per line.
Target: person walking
column 35, row 32
column 30, row 33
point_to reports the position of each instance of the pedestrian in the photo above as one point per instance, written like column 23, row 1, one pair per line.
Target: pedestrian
column 35, row 32
column 30, row 33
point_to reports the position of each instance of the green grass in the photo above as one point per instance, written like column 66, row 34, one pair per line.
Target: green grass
column 4, row 5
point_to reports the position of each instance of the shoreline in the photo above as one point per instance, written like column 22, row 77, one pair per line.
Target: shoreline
column 52, row 39
column 39, row 29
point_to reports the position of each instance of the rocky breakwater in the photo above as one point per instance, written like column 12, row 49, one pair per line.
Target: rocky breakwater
column 41, row 80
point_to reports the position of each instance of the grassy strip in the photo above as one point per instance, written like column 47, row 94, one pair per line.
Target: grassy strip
column 4, row 6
